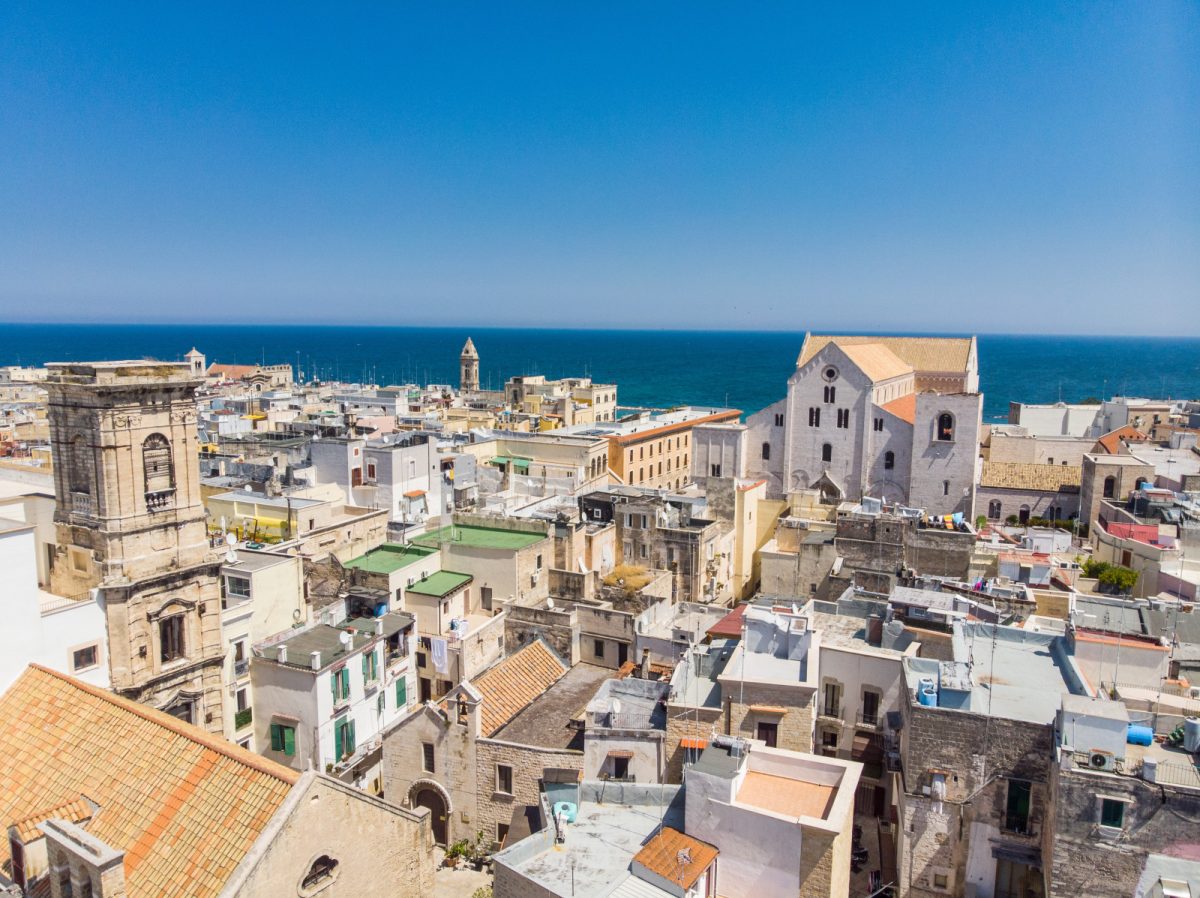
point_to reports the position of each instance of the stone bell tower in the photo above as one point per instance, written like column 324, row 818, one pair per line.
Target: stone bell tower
column 468, row 369
column 130, row 522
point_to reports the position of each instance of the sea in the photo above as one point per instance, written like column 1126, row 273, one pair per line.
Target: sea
column 652, row 368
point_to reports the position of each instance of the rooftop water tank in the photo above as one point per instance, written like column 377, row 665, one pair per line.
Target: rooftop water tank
column 927, row 692
column 1138, row 734
column 567, row 809
column 1191, row 734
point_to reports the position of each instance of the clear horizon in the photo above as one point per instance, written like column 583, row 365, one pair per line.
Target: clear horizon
column 1027, row 169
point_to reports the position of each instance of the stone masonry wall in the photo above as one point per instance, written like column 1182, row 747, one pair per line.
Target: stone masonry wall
column 527, row 763
column 795, row 725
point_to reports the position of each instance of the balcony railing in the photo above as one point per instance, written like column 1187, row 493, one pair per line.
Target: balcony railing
column 243, row 718
column 241, row 668
column 830, row 709
column 160, row 500
column 870, row 720
column 82, row 504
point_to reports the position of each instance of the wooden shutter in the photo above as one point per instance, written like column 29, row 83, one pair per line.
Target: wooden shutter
column 289, row 741
column 276, row 738
column 402, row 692
column 337, row 742
column 350, row 737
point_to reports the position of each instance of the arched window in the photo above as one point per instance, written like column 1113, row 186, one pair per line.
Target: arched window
column 1023, row 517
column 157, row 464
column 1052, row 513
column 994, row 510
column 1110, row 486
column 889, row 460
column 322, row 872
column 766, row 451
column 945, row 427
column 827, row 452
column 80, row 466
column 830, row 393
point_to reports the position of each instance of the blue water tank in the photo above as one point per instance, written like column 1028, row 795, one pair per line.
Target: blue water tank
column 927, row 692
column 567, row 809
column 381, row 609
column 1139, row 734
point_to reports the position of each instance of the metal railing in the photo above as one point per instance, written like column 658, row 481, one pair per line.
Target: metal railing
column 241, row 668
column 830, row 710
column 870, row 720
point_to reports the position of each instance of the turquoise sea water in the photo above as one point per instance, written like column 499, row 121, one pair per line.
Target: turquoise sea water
column 745, row 370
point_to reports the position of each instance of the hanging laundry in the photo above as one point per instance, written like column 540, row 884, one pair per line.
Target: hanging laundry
column 438, row 650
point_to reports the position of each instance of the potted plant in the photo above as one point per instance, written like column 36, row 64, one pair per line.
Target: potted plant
column 477, row 851
column 456, row 852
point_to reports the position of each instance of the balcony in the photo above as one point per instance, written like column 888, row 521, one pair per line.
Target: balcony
column 241, row 668
column 830, row 711
column 243, row 718
column 160, row 500
column 82, row 505
column 869, row 720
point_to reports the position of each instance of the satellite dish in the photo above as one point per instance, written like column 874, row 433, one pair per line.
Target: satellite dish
column 230, row 539
column 231, row 557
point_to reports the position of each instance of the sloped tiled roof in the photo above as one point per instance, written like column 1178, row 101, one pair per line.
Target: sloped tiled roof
column 662, row 855
column 1010, row 475
column 1111, row 441
column 876, row 361
column 904, row 408
column 509, row 685
column 184, row 806
column 942, row 354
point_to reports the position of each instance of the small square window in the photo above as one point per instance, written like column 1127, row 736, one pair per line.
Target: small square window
column 1112, row 813
column 85, row 658
column 940, row 881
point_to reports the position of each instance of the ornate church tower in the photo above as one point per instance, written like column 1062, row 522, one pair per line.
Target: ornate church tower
column 468, row 369
column 130, row 522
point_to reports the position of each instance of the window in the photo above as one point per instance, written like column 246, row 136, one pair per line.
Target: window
column 878, row 425
column 830, row 393
column 370, row 470
column 644, row 551
column 84, row 658
column 843, row 418
column 427, row 757
column 870, row 711
column 945, row 427
column 715, row 471
column 170, row 636
column 501, row 833
column 814, row 417
column 81, row 464
column 343, row 739
column 242, row 700
column 1110, row 487
column 238, row 587
column 1016, row 815
column 239, row 650
column 945, row 487
column 830, row 373
column 827, row 452
column 156, row 464
column 504, row 779
column 322, row 872
column 1112, row 813
column 283, row 738
column 779, row 420
column 994, row 510
column 766, row 451
column 339, row 683
column 889, row 460
column 941, row 881
column 370, row 665
column 598, row 648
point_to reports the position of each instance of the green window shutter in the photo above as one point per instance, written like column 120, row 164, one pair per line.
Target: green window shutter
column 333, row 686
column 276, row 737
column 345, row 682
column 364, row 662
column 289, row 740
column 337, row 742
column 402, row 692
column 350, row 737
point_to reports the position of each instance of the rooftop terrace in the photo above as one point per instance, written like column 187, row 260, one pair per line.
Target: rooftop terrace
column 479, row 537
column 389, row 558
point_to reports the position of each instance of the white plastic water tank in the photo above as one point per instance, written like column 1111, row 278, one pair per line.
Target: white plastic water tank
column 1191, row 734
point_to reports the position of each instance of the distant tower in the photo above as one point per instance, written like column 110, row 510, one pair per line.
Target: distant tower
column 197, row 361
column 130, row 522
column 468, row 369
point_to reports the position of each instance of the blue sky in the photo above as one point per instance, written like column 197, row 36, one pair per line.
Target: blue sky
column 952, row 167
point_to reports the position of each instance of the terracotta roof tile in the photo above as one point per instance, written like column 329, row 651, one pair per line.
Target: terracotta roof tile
column 876, row 361
column 1111, row 441
column 676, row 857
column 933, row 354
column 184, row 805
column 1009, row 475
column 904, row 408
column 509, row 685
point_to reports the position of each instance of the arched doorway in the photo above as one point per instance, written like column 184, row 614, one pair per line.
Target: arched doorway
column 426, row 796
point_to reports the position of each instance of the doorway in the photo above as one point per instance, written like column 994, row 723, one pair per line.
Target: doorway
column 426, row 797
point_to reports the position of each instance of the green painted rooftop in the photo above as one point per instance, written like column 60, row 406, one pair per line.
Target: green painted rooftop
column 440, row 583
column 479, row 537
column 389, row 558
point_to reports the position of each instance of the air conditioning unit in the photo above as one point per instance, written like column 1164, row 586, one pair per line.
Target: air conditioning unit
column 1102, row 760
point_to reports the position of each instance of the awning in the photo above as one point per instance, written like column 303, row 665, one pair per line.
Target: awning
column 520, row 464
column 768, row 709
column 414, row 494
column 620, row 754
column 693, row 742
column 500, row 461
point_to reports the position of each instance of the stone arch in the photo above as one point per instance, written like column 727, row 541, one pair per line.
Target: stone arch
column 427, row 793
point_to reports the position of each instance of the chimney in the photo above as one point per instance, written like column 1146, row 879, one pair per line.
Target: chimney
column 282, row 656
column 379, row 626
column 316, row 660
column 644, row 672
column 874, row 630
